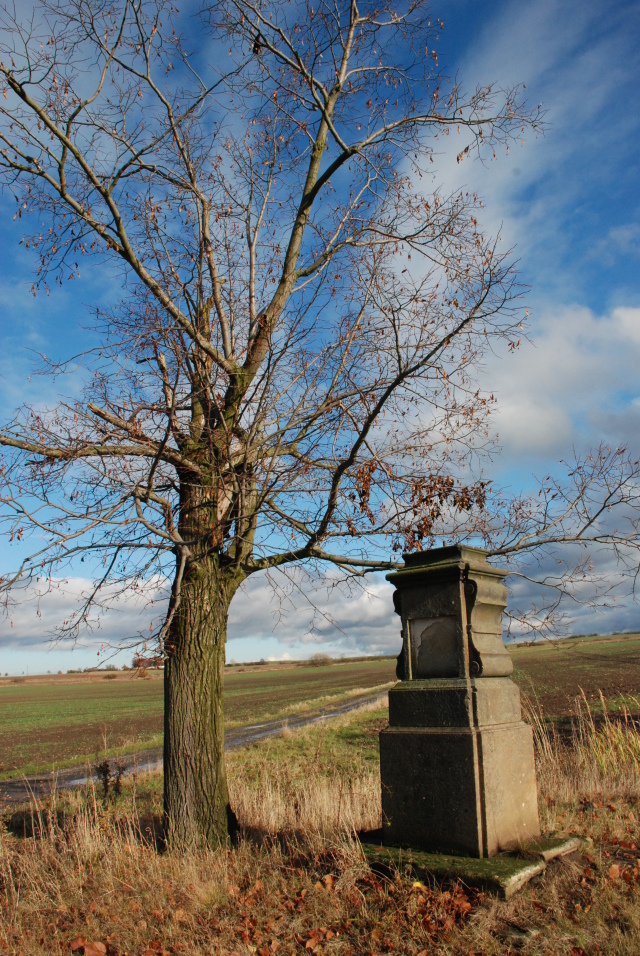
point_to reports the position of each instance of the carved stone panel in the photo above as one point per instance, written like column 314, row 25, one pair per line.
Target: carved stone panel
column 434, row 647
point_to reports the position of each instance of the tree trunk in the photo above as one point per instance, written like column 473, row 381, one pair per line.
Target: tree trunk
column 196, row 802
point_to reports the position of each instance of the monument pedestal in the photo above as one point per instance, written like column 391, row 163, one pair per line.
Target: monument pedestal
column 456, row 762
column 457, row 774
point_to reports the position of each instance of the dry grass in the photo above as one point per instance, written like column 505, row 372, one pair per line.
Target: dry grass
column 303, row 890
column 331, row 807
column 297, row 881
column 331, row 793
column 588, row 785
column 599, row 756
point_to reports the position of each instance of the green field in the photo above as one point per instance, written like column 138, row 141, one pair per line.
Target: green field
column 58, row 721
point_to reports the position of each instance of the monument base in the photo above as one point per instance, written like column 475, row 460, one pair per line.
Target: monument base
column 457, row 768
column 503, row 875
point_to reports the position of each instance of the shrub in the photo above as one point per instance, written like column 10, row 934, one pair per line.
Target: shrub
column 321, row 660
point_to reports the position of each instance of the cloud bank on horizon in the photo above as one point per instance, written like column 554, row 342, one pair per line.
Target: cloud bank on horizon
column 567, row 202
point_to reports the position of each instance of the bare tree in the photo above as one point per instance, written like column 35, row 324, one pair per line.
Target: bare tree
column 288, row 376
column 577, row 542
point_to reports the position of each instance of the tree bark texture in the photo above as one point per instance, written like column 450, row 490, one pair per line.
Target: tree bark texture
column 196, row 802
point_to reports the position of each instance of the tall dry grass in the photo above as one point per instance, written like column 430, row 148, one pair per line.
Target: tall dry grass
column 310, row 791
column 599, row 756
column 335, row 806
column 89, row 872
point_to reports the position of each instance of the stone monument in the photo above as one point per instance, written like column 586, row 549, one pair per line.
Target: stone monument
column 456, row 761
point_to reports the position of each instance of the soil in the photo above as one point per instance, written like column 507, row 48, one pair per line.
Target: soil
column 77, row 742
column 558, row 674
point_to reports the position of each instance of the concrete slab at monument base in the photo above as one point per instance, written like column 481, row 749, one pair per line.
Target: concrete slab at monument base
column 503, row 875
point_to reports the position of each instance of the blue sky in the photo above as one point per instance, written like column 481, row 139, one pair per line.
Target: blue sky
column 568, row 202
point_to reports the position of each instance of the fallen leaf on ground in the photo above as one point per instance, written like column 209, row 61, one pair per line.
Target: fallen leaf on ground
column 376, row 934
column 77, row 943
column 614, row 872
column 94, row 949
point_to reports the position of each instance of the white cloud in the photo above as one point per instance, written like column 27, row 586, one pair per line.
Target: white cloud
column 585, row 74
column 629, row 322
column 297, row 615
column 601, row 603
column 41, row 608
column 574, row 386
column 619, row 240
